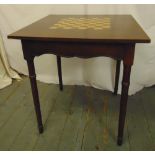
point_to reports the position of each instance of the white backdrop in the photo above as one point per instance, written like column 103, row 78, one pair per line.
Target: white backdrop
column 97, row 72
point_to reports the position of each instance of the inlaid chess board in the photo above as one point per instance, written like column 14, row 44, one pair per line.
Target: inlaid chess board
column 96, row 23
column 99, row 28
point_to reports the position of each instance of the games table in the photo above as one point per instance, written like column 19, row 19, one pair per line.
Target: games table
column 83, row 36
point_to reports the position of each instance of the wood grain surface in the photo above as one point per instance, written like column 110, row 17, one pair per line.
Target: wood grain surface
column 121, row 28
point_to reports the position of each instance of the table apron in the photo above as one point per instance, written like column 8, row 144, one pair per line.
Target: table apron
column 82, row 50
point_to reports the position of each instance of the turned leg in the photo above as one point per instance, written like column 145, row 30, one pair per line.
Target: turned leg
column 34, row 88
column 123, row 102
column 59, row 72
column 117, row 76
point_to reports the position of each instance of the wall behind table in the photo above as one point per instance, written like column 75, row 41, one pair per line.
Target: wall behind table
column 97, row 72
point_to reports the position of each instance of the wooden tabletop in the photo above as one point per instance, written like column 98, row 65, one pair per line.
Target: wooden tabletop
column 86, row 28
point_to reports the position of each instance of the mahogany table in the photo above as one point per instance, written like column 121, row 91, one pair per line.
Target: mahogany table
column 83, row 36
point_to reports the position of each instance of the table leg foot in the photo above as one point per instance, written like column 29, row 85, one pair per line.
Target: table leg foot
column 61, row 87
column 41, row 129
column 119, row 141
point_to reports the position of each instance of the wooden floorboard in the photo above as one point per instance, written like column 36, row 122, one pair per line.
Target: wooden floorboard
column 8, row 91
column 73, row 126
column 101, row 131
column 55, row 124
column 139, row 137
column 78, row 118
column 8, row 122
column 26, row 138
column 147, row 98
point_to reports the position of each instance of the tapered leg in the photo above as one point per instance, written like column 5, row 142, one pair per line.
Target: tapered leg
column 123, row 102
column 34, row 88
column 117, row 76
column 59, row 72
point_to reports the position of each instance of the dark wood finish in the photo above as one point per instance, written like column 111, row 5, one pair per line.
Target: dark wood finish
column 82, row 50
column 59, row 72
column 116, row 42
column 35, row 94
column 123, row 29
column 118, row 63
column 127, row 63
column 123, row 103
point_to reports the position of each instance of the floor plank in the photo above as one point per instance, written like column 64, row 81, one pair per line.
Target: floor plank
column 78, row 118
column 12, row 103
column 139, row 137
column 55, row 124
column 71, row 137
column 8, row 91
column 113, row 118
column 101, row 132
column 92, row 138
column 28, row 135
column 108, row 114
column 148, row 104
column 7, row 112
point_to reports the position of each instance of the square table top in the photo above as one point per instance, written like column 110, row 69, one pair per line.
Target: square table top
column 84, row 28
